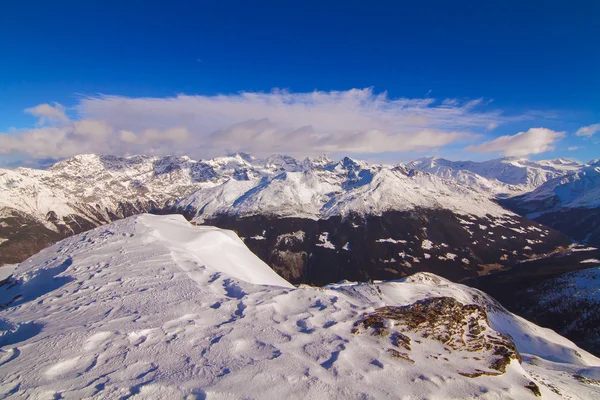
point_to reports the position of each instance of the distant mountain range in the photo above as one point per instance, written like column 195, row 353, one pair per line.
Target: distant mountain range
column 89, row 190
column 569, row 203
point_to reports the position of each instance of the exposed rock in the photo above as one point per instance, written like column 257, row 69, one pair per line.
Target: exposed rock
column 460, row 328
column 585, row 379
column 534, row 388
column 396, row 354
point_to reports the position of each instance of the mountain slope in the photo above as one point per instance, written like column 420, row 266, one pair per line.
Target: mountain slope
column 562, row 194
column 570, row 203
column 572, row 297
column 152, row 307
column 506, row 176
column 578, row 189
column 350, row 220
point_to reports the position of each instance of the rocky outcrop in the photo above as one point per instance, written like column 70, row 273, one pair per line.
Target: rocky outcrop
column 463, row 330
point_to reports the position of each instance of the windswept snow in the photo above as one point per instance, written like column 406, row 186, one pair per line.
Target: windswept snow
column 153, row 307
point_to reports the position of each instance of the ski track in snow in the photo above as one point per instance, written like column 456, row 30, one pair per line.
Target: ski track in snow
column 153, row 307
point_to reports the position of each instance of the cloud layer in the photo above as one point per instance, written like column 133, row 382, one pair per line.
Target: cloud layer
column 352, row 121
column 534, row 141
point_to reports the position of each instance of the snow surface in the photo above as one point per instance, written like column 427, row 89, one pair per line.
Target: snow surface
column 324, row 241
column 591, row 261
column 7, row 270
column 390, row 240
column 153, row 307
column 427, row 244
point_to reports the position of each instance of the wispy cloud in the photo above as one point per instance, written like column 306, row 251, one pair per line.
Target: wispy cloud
column 534, row 141
column 588, row 131
column 351, row 121
column 573, row 148
column 47, row 113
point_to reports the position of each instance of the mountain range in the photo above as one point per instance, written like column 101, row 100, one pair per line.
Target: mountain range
column 465, row 217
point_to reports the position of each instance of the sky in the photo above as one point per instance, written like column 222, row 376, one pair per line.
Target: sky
column 386, row 81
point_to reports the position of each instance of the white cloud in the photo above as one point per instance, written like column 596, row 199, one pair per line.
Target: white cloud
column 148, row 136
column 588, row 131
column 48, row 113
column 534, row 141
column 351, row 121
column 572, row 148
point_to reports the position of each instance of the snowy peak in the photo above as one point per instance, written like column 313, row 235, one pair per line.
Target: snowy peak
column 561, row 163
column 321, row 161
column 282, row 162
column 95, row 188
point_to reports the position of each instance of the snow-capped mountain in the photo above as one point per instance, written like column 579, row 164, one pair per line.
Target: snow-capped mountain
column 562, row 194
column 570, row 203
column 93, row 188
column 577, row 189
column 506, row 176
column 340, row 189
column 153, row 307
column 37, row 207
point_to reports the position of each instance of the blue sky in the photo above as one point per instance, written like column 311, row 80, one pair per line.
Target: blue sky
column 470, row 72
